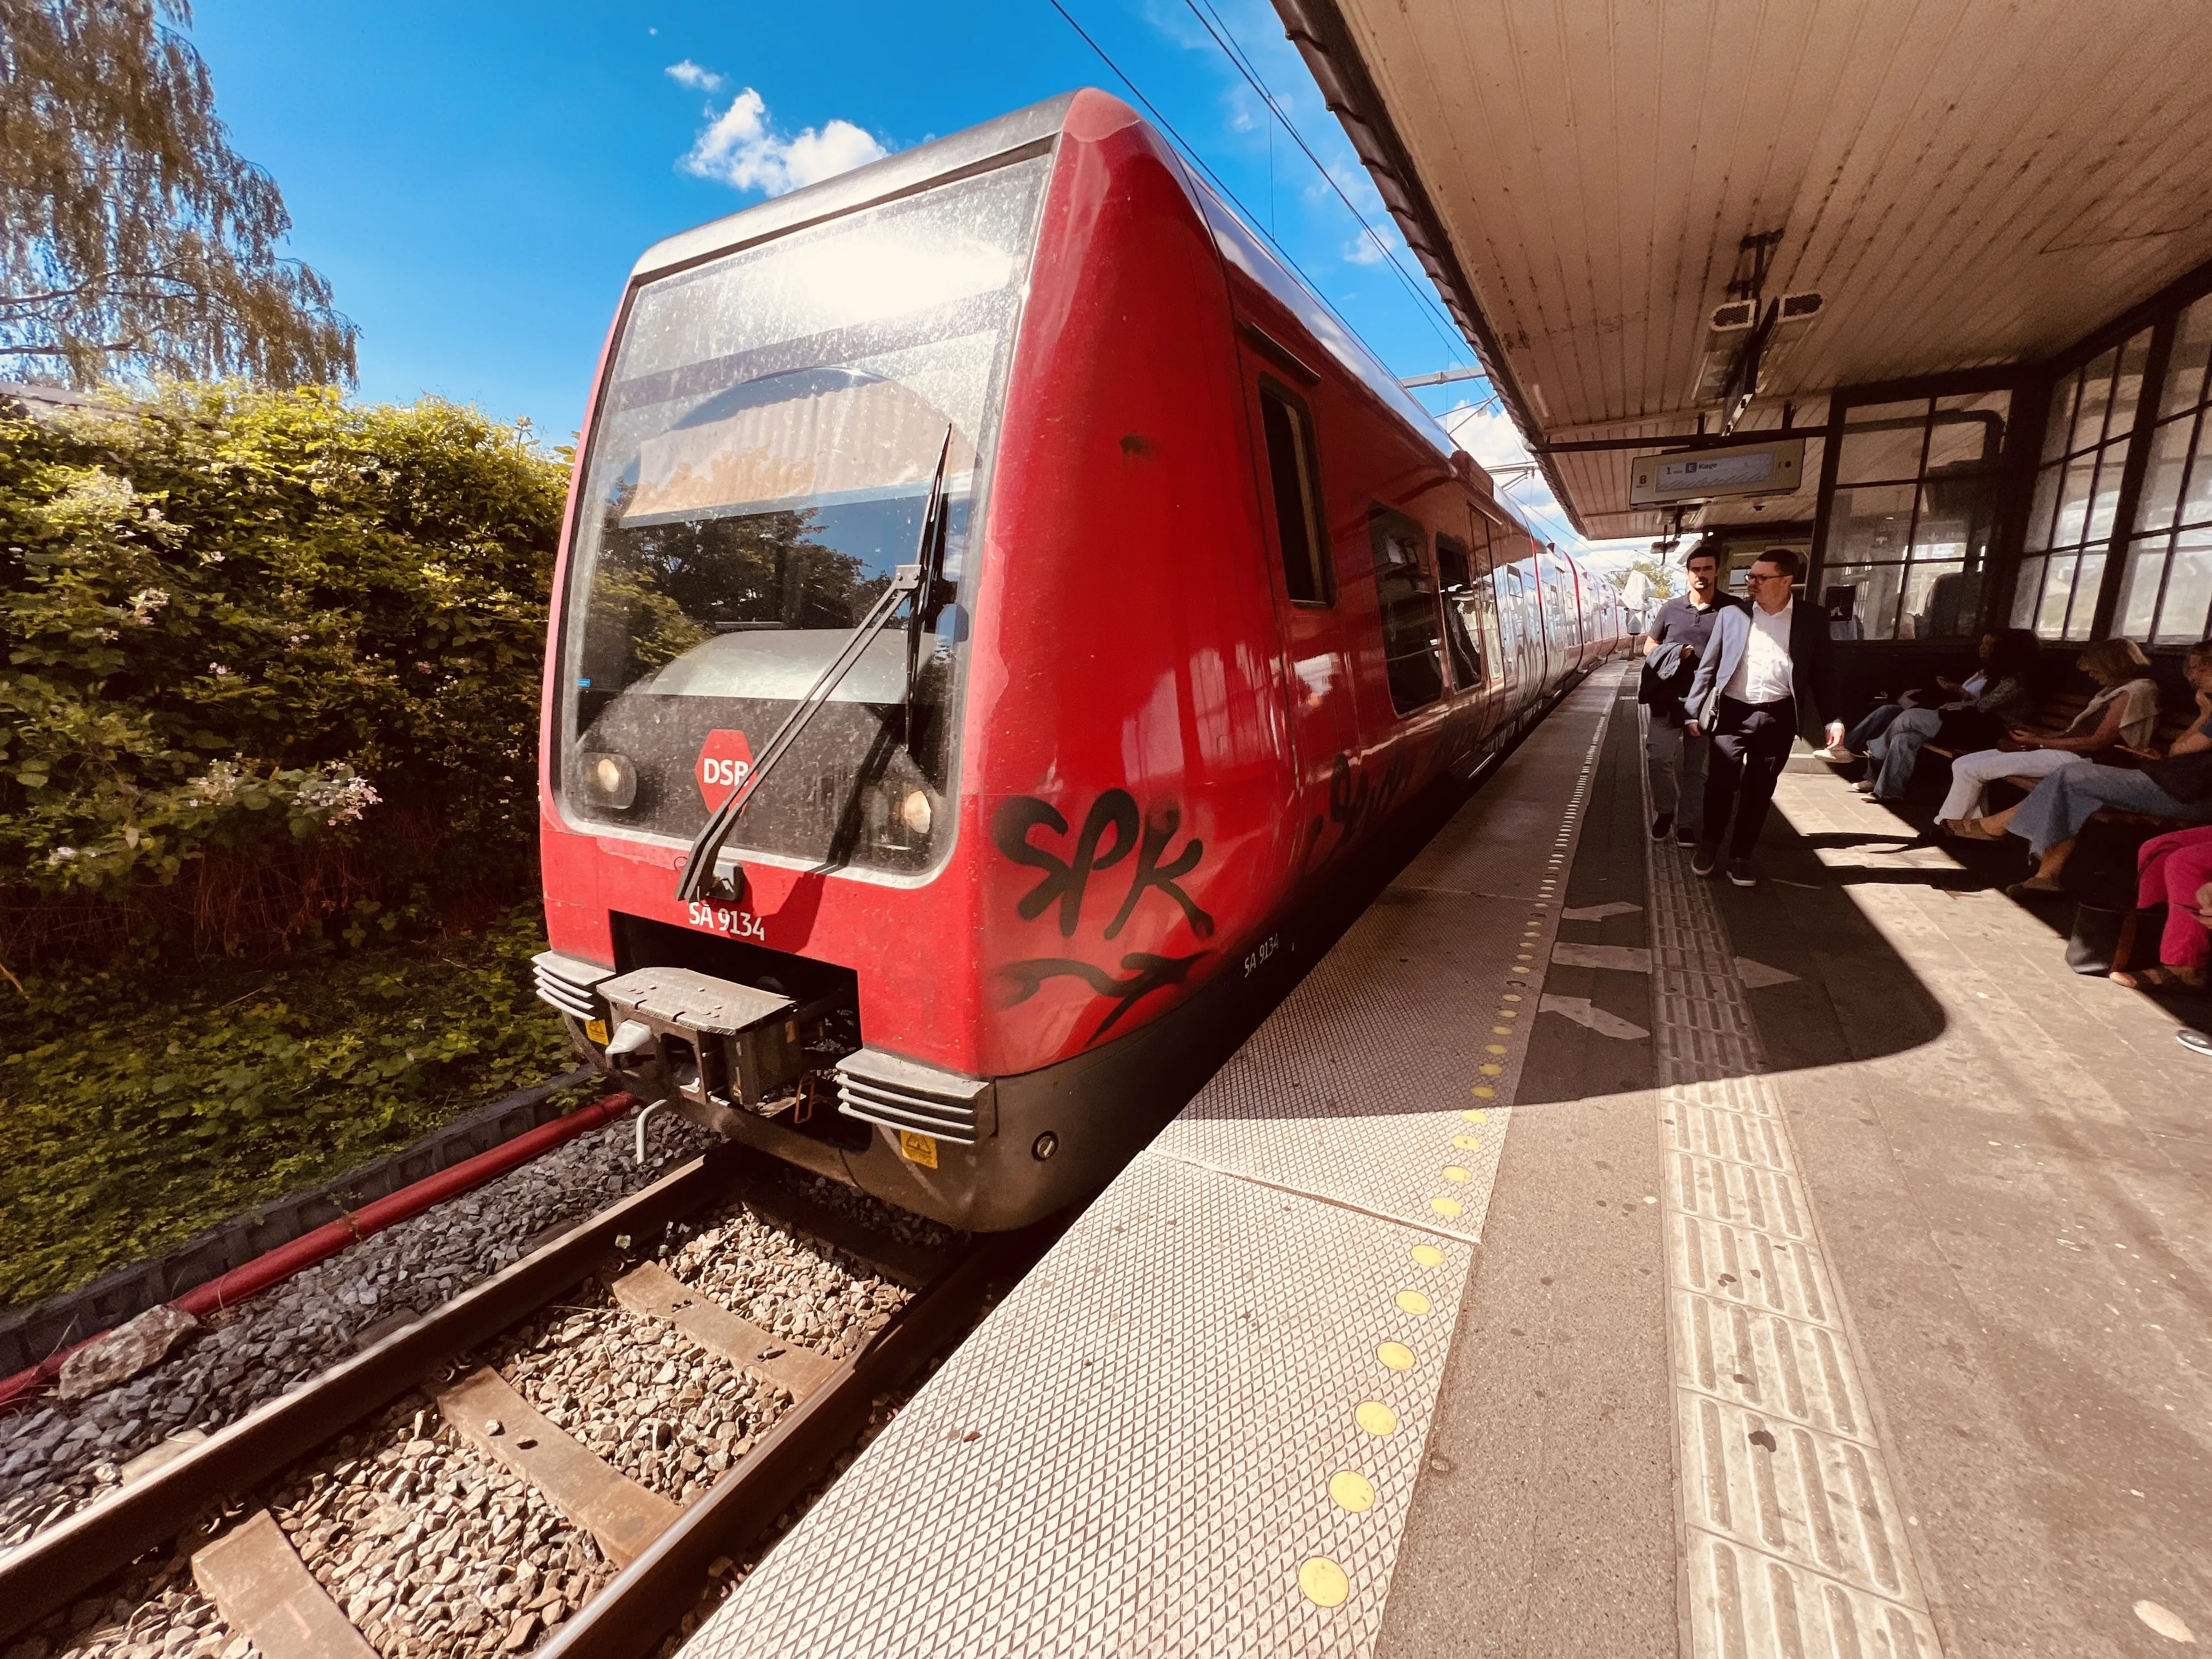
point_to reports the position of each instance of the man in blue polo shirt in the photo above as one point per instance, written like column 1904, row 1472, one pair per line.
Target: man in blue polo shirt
column 1673, row 643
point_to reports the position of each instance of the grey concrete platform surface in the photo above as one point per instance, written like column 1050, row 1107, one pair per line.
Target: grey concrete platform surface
column 1590, row 1260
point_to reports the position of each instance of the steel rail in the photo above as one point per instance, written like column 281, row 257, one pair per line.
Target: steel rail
column 632, row 1615
column 45, row 1572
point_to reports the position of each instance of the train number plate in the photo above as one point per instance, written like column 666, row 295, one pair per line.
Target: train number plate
column 918, row 1149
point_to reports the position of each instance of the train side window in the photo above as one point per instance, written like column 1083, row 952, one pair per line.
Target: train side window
column 1455, row 575
column 1412, row 655
column 1295, row 477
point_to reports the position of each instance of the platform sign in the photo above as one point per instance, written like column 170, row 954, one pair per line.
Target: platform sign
column 725, row 760
column 1704, row 475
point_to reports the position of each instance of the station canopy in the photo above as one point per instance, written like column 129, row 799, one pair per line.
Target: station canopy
column 1962, row 183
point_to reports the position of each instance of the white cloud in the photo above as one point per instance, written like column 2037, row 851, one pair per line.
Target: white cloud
column 689, row 73
column 1363, row 251
column 743, row 150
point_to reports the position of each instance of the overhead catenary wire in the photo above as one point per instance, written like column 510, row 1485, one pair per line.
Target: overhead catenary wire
column 1432, row 310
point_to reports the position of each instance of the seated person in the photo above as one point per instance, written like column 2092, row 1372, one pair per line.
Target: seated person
column 2123, row 715
column 1854, row 746
column 1979, row 721
column 2055, row 810
column 2176, row 871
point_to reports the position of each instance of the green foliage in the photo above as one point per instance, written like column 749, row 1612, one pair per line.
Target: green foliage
column 267, row 655
column 132, row 1117
column 133, row 240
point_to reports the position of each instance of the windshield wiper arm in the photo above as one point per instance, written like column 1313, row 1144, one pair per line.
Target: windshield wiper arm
column 915, row 582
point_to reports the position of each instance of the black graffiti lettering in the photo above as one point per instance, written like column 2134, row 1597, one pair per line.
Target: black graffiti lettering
column 1147, row 974
column 1063, row 880
column 1160, row 826
column 1354, row 805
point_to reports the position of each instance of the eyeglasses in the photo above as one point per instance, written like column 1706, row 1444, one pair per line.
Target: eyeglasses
column 1771, row 576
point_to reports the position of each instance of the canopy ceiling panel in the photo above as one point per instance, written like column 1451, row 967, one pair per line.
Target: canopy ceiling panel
column 1965, row 182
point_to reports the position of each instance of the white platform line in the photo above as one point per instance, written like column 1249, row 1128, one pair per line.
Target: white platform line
column 1794, row 1543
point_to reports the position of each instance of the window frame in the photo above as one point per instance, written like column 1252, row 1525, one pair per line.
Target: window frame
column 1381, row 521
column 1306, row 443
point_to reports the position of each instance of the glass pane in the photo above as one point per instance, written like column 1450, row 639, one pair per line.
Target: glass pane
column 2139, row 588
column 2182, row 618
column 1943, row 601
column 2057, row 590
column 2105, row 499
column 2087, row 579
column 1872, row 522
column 1412, row 655
column 1291, row 470
column 2039, row 509
column 2028, row 593
column 2096, row 397
column 2196, row 495
column 2185, row 369
column 2060, row 422
column 773, row 425
column 1956, row 515
column 2169, row 459
column 1882, row 441
column 1865, row 593
column 2127, row 389
column 1967, row 431
column 2074, row 500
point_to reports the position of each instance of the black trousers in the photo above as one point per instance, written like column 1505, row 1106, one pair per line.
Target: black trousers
column 1751, row 745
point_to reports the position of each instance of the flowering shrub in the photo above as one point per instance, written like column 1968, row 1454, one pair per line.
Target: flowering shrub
column 266, row 658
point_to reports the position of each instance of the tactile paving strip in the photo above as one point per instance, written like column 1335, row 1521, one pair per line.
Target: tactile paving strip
column 1143, row 1447
column 1347, row 1089
column 1794, row 1545
column 1196, row 1426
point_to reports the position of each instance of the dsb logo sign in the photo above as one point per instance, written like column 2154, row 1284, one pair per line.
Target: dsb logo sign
column 725, row 760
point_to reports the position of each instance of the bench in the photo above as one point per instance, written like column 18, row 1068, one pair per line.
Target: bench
column 2062, row 710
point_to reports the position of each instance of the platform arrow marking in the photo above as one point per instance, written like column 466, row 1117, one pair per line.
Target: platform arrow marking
column 1578, row 1010
column 1599, row 912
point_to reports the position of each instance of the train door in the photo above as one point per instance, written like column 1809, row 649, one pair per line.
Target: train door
column 1323, row 714
column 1471, row 623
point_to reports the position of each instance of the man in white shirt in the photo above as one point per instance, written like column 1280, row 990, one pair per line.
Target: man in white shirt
column 1768, row 667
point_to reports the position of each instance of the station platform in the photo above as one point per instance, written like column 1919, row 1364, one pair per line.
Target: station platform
column 1586, row 1258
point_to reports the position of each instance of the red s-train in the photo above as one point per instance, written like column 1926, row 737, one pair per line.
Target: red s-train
column 1069, row 595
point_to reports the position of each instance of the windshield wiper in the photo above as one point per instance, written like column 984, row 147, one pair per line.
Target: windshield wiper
column 919, row 583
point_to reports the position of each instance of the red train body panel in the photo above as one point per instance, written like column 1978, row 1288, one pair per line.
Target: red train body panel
column 1226, row 600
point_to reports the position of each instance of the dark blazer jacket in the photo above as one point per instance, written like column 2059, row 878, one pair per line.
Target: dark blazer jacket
column 1812, row 665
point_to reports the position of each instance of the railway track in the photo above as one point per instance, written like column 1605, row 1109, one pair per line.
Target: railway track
column 566, row 1459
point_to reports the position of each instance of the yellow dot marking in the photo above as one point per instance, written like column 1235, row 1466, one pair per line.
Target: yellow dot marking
column 1475, row 1116
column 1493, row 1048
column 1412, row 1302
column 1376, row 1417
column 1396, row 1355
column 1501, row 1030
column 1453, row 1172
column 1489, row 1070
column 1351, row 1491
column 1428, row 1255
column 1508, row 1013
column 1324, row 1583
column 1448, row 1207
column 1483, row 1091
column 1467, row 1143
column 1512, row 996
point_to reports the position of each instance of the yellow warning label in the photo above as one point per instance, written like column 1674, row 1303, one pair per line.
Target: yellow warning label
column 918, row 1149
column 596, row 1029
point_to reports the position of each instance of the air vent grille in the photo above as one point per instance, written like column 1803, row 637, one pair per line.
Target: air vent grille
column 898, row 1094
column 568, row 983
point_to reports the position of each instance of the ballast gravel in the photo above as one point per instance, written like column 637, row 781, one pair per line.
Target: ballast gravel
column 57, row 1459
column 435, row 1551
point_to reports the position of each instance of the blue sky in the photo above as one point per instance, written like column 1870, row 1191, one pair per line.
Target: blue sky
column 476, row 180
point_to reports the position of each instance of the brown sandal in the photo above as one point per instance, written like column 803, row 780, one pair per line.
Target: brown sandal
column 2155, row 977
column 1970, row 830
column 2034, row 887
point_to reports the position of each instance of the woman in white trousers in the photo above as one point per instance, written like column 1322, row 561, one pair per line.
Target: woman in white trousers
column 2123, row 715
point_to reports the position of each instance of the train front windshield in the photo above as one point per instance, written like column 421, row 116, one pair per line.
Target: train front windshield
column 761, row 460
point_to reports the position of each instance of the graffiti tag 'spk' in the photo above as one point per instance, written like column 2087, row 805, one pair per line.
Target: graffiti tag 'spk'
column 1066, row 881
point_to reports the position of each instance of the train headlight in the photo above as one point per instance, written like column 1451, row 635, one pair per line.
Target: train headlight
column 608, row 779
column 914, row 812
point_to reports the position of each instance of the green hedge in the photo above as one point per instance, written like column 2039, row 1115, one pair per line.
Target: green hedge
column 271, row 670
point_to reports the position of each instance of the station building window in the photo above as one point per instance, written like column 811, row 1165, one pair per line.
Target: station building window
column 2165, row 591
column 1909, row 526
column 2072, row 510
